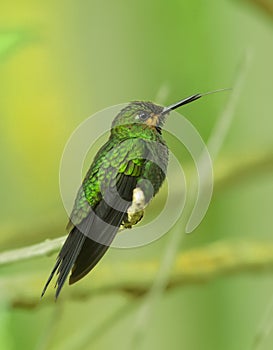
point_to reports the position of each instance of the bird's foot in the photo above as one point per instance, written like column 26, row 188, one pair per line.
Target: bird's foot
column 136, row 211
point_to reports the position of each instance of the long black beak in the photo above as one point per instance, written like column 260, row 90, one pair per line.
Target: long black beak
column 188, row 100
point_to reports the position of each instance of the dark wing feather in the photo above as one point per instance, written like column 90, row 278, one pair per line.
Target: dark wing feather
column 82, row 251
column 104, row 228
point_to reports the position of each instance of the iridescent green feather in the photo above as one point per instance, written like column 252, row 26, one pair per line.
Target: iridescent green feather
column 113, row 158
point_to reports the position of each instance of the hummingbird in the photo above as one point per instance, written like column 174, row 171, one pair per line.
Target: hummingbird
column 126, row 173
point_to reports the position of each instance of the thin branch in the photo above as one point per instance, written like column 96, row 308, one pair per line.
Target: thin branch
column 241, row 169
column 45, row 248
column 196, row 266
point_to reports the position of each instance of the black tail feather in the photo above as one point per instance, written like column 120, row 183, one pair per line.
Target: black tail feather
column 91, row 254
column 66, row 259
column 51, row 275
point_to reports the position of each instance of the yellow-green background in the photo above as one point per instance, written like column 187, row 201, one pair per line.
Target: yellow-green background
column 61, row 61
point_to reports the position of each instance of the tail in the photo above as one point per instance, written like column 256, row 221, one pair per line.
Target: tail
column 80, row 253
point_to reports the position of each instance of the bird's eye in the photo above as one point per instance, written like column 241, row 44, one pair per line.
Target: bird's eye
column 142, row 116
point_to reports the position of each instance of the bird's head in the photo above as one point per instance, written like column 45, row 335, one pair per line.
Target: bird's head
column 143, row 115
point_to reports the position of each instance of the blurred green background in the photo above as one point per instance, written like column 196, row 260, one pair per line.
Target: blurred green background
column 61, row 61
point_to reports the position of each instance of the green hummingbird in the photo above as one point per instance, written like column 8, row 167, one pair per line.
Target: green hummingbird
column 124, row 176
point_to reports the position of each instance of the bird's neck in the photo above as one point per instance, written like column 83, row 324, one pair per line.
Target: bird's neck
column 137, row 131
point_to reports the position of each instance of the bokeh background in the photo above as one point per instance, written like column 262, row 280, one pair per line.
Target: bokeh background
column 61, row 61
